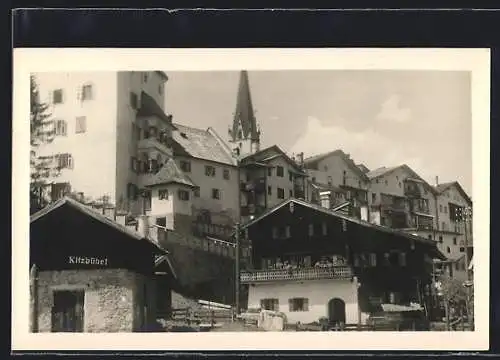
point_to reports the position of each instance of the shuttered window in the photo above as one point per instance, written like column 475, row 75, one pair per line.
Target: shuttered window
column 298, row 304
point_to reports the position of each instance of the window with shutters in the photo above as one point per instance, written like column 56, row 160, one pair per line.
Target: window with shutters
column 298, row 304
column 269, row 304
column 86, row 92
column 68, row 311
column 311, row 229
column 61, row 128
column 183, row 195
column 64, row 161
column 324, row 228
column 281, row 193
column 57, row 96
column 372, row 259
column 402, row 259
column 134, row 164
column 185, row 166
column 147, row 200
column 132, row 191
column 81, row 124
column 209, row 171
column 163, row 194
column 216, row 194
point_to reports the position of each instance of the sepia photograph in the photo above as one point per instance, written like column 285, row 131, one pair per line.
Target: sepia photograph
column 255, row 199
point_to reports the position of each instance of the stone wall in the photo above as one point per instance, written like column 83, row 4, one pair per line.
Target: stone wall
column 113, row 298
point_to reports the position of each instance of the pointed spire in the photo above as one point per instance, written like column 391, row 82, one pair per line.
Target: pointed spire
column 244, row 123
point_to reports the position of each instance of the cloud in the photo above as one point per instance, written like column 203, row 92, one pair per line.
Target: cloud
column 392, row 111
column 368, row 146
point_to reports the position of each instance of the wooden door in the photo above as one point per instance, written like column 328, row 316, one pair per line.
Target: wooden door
column 68, row 311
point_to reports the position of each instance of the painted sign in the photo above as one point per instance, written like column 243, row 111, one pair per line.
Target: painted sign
column 83, row 260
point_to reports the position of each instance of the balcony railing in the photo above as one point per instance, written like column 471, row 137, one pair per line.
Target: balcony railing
column 337, row 272
column 257, row 185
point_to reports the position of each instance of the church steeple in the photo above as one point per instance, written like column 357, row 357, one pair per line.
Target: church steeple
column 244, row 131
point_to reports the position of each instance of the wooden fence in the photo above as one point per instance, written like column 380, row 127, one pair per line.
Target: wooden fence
column 203, row 315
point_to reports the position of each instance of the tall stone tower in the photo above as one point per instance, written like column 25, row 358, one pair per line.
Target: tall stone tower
column 244, row 134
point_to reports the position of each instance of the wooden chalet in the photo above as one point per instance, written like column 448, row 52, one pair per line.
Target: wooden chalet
column 310, row 262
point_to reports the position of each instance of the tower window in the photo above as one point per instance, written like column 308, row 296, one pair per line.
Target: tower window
column 81, row 124
column 61, row 128
column 57, row 96
column 86, row 92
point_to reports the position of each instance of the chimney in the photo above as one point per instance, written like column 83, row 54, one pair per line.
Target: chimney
column 300, row 158
column 437, row 180
column 324, row 197
column 143, row 225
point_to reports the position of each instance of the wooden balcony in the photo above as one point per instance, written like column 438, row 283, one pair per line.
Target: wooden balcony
column 311, row 273
column 257, row 185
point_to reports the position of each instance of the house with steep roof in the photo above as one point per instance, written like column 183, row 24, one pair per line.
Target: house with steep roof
column 336, row 168
column 268, row 177
column 91, row 273
column 454, row 231
column 400, row 198
column 310, row 262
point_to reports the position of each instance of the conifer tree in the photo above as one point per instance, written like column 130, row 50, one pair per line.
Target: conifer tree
column 42, row 131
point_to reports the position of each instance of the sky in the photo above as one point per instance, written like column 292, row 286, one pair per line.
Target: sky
column 379, row 117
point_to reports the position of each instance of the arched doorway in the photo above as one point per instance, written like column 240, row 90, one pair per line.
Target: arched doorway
column 336, row 312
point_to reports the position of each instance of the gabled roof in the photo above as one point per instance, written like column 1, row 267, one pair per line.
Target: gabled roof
column 363, row 168
column 313, row 160
column 66, row 201
column 326, row 187
column 372, row 175
column 200, row 144
column 170, row 174
column 381, row 171
column 440, row 188
column 149, row 107
column 244, row 113
column 338, row 215
column 268, row 154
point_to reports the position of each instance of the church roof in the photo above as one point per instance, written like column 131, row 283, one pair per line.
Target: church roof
column 244, row 112
column 170, row 174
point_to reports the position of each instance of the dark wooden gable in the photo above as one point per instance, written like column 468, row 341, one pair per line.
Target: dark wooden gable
column 331, row 234
column 66, row 237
